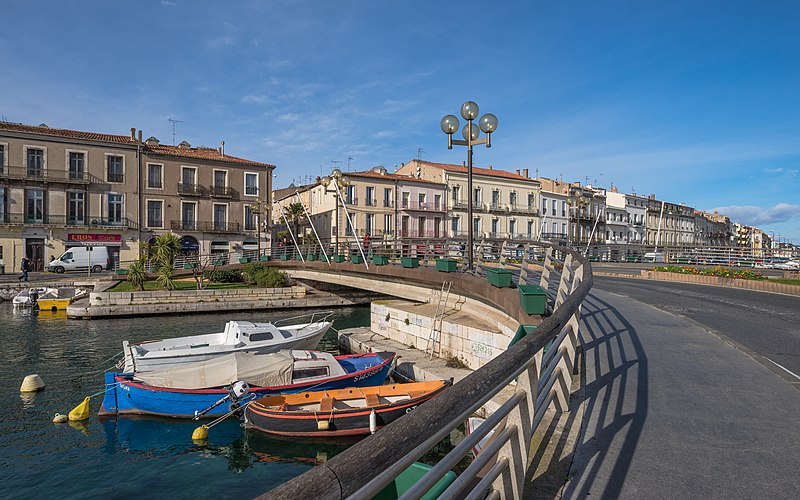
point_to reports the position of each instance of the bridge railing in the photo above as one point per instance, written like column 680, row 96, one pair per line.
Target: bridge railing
column 542, row 379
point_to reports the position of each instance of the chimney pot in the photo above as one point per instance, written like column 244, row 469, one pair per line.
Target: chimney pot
column 222, row 148
column 133, row 133
column 140, row 136
column 490, row 167
column 517, row 171
column 525, row 173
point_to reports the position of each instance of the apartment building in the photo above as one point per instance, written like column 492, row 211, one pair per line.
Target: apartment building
column 555, row 209
column 379, row 204
column 669, row 224
column 617, row 224
column 505, row 205
column 636, row 209
column 587, row 214
column 712, row 230
column 61, row 188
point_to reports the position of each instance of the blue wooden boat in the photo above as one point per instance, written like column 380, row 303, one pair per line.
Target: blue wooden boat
column 126, row 395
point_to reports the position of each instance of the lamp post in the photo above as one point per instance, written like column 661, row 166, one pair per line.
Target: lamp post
column 257, row 208
column 471, row 134
column 336, row 177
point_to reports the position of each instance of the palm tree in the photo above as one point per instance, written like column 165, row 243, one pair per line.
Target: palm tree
column 165, row 248
column 137, row 274
column 294, row 213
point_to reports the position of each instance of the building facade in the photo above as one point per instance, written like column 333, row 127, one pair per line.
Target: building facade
column 555, row 210
column 61, row 188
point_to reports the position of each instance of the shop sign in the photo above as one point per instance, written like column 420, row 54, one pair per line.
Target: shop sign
column 94, row 238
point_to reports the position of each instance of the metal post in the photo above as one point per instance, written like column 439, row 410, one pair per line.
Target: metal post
column 352, row 226
column 313, row 228
column 471, row 194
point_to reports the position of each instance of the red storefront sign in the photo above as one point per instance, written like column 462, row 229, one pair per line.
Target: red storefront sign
column 94, row 238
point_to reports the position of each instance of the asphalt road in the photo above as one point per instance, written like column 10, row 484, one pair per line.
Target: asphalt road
column 765, row 323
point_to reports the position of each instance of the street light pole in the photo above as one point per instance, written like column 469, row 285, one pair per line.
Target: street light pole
column 471, row 134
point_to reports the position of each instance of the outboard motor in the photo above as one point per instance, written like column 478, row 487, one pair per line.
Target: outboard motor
column 237, row 394
column 34, row 298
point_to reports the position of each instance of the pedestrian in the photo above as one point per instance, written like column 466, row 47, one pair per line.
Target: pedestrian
column 365, row 243
column 25, row 267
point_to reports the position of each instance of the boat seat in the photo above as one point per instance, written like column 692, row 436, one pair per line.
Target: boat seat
column 326, row 404
column 372, row 399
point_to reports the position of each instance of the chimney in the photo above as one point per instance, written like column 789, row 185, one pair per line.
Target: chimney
column 140, row 136
column 222, row 148
column 133, row 133
column 517, row 171
column 525, row 173
column 490, row 167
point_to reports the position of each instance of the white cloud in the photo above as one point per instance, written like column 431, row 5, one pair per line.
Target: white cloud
column 254, row 99
column 167, row 3
column 755, row 216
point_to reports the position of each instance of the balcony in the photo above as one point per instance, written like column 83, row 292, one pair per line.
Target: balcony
column 206, row 226
column 523, row 209
column 221, row 191
column 115, row 177
column 410, row 233
column 65, row 221
column 423, row 207
column 463, row 205
column 187, row 189
column 350, row 201
column 45, row 175
column 371, row 203
column 497, row 207
column 554, row 236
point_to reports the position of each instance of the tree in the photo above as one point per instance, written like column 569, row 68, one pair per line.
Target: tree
column 137, row 274
column 165, row 249
column 294, row 213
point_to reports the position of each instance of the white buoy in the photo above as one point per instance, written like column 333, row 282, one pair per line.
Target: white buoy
column 373, row 423
column 32, row 383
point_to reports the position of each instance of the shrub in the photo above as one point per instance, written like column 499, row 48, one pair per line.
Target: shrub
column 270, row 277
column 165, row 277
column 224, row 276
column 722, row 272
column 137, row 274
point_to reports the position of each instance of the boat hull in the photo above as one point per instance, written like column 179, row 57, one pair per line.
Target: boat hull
column 347, row 422
column 124, row 396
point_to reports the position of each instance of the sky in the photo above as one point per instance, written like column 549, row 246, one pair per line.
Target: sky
column 696, row 102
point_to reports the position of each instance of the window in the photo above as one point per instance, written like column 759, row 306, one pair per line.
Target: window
column 220, row 217
column 188, row 216
column 421, row 199
column 2, row 155
column 476, row 195
column 456, row 225
column 35, row 162
column 456, row 194
column 555, row 228
column 221, row 179
column 250, row 220
column 563, row 230
column 387, row 224
column 387, row 197
column 3, row 216
column 155, row 174
column 76, row 208
column 495, row 197
column 115, row 208
column 563, row 209
column 530, row 229
column 437, row 224
column 544, row 207
column 406, row 196
column 512, row 227
column 76, row 164
column 350, row 195
column 34, row 205
column 494, row 226
column 512, row 198
column 421, row 225
column 437, row 202
column 251, row 184
column 371, row 196
column 348, row 229
column 554, row 206
column 188, row 176
column 370, row 225
column 154, row 214
column 114, row 169
column 531, row 200
column 476, row 225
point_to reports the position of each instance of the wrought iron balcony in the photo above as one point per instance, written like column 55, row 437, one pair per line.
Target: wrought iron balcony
column 206, row 226
column 187, row 189
column 221, row 191
column 423, row 207
column 45, row 175
column 410, row 233
column 463, row 205
column 523, row 209
column 64, row 220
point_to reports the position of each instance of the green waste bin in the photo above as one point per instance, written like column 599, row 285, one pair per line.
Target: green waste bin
column 499, row 277
column 338, row 258
column 409, row 478
column 357, row 259
column 264, row 258
column 446, row 265
column 533, row 299
column 521, row 332
column 380, row 260
column 244, row 260
column 409, row 261
column 311, row 257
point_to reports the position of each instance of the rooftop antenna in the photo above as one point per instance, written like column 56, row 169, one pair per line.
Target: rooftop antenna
column 173, row 122
column 419, row 153
column 348, row 162
column 334, row 163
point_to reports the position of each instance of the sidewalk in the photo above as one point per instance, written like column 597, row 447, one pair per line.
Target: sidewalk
column 673, row 411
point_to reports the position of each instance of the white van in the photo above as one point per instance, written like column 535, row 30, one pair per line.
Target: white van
column 653, row 257
column 80, row 258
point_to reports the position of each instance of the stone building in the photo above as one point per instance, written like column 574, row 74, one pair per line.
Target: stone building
column 61, row 188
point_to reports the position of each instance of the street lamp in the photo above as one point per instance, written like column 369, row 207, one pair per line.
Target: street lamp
column 471, row 134
column 336, row 176
column 258, row 208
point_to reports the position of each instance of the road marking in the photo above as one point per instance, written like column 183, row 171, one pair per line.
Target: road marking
column 783, row 368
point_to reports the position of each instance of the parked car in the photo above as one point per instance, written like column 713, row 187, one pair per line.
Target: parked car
column 653, row 257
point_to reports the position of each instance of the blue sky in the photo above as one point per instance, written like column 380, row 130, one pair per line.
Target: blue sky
column 696, row 101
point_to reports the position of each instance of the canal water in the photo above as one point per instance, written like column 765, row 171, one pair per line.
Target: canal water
column 127, row 457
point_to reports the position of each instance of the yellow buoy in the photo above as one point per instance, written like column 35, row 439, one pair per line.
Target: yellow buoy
column 60, row 418
column 32, row 383
column 80, row 412
column 200, row 433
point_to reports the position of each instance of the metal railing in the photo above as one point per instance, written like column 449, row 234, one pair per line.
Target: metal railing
column 65, row 220
column 423, row 206
column 221, row 191
column 50, row 174
column 187, row 189
column 541, row 379
column 206, row 226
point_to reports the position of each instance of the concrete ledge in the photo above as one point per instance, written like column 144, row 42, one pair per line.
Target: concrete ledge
column 760, row 285
column 185, row 296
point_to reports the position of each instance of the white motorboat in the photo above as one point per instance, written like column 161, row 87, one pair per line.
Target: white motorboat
column 239, row 336
column 23, row 298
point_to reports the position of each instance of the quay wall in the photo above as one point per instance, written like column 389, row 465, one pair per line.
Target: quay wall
column 757, row 285
column 182, row 296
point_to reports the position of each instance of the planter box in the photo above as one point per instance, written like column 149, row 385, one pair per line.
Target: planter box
column 244, row 260
column 501, row 278
column 286, row 257
column 338, row 259
column 446, row 265
column 357, row 259
column 380, row 260
column 522, row 331
column 533, row 299
column 189, row 266
column 219, row 262
column 311, row 257
column 409, row 261
column 122, row 272
column 264, row 258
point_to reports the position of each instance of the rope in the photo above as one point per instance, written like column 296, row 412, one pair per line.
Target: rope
column 106, row 389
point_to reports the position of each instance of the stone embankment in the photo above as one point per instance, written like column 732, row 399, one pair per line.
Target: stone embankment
column 758, row 285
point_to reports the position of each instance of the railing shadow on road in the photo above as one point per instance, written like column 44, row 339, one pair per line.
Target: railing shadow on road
column 616, row 399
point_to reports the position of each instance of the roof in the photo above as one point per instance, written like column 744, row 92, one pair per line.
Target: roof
column 200, row 154
column 69, row 134
column 395, row 177
column 490, row 172
column 177, row 151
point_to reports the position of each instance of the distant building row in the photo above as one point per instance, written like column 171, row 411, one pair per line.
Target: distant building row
column 424, row 201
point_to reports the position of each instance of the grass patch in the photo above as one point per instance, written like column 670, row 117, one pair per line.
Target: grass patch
column 153, row 286
column 454, row 362
column 784, row 281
